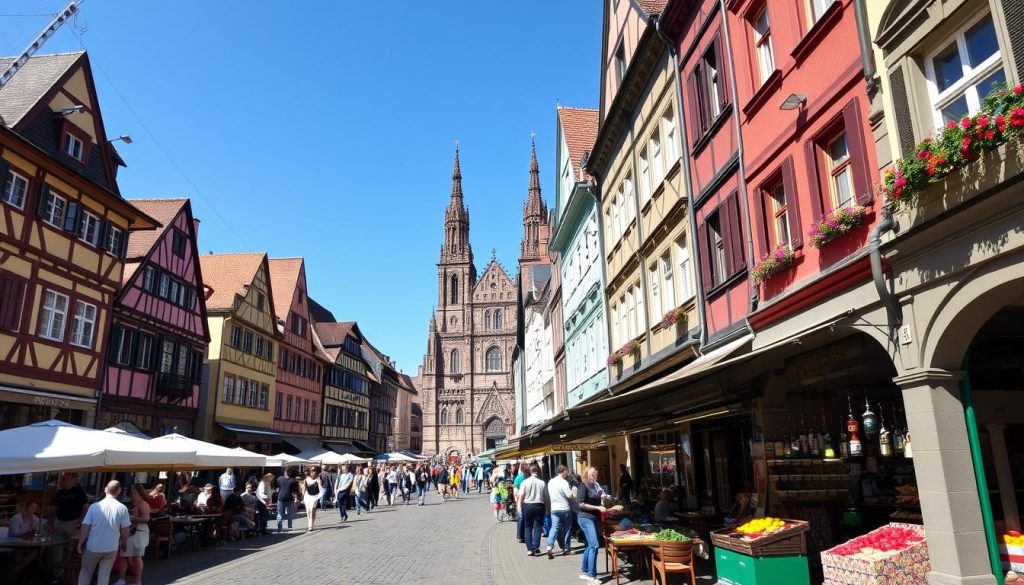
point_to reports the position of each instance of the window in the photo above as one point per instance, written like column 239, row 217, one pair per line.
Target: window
column 630, row 315
column 243, row 392
column 84, row 324
column 144, row 352
column 167, row 356
column 668, row 296
column 444, row 416
column 305, row 409
column 229, row 389
column 114, row 240
column 717, row 247
column 288, row 409
column 54, row 209
column 685, row 273
column 178, row 244
column 778, row 230
column 236, row 337
column 455, row 289
column 14, row 189
column 175, row 291
column 260, row 301
column 165, row 286
column 264, row 395
column 459, row 417
column 645, row 177
column 763, row 45
column 247, row 341
column 487, row 319
column 454, row 362
column 12, row 293
column 73, row 146
column 258, row 346
column 668, row 128
column 53, row 315
column 654, row 281
column 721, row 243
column 277, row 405
column 121, row 343
column 963, row 72
column 638, row 295
column 837, row 158
column 708, row 92
column 493, row 358
column 497, row 319
column 658, row 172
column 149, row 278
column 197, row 366
column 818, row 9
column 620, row 65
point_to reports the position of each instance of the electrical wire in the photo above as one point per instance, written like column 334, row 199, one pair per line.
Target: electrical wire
column 14, row 39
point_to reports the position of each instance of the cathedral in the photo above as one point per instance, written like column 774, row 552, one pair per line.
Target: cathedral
column 466, row 377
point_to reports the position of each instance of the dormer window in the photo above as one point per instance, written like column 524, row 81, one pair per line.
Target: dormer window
column 73, row 146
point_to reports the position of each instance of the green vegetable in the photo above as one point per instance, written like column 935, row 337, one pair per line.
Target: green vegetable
column 671, row 535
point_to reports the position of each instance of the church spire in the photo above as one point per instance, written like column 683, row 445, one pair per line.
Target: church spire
column 535, row 213
column 456, row 176
column 456, row 246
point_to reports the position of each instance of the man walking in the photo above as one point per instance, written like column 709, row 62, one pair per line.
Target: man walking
column 392, row 484
column 531, row 502
column 286, row 490
column 345, row 480
column 516, row 483
column 560, row 496
column 327, row 479
column 104, row 529
column 226, row 483
column 71, row 505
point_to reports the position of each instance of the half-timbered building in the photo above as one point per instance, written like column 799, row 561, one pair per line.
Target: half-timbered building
column 158, row 339
column 63, row 237
column 346, row 415
column 241, row 368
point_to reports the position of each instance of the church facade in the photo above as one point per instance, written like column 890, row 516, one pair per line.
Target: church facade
column 466, row 376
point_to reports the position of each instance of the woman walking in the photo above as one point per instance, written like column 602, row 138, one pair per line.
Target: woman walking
column 362, row 488
column 422, row 483
column 311, row 495
column 479, row 478
column 139, row 539
column 456, row 479
column 591, row 505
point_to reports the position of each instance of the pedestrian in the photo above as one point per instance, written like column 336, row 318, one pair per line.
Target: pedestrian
column 456, row 478
column 408, row 483
column 71, row 504
column 265, row 497
column 25, row 524
column 138, row 536
column 392, row 484
column 286, row 490
column 252, row 507
column 374, row 487
column 435, row 470
column 226, row 483
column 327, row 487
column 531, row 506
column 590, row 498
column 345, row 481
column 362, row 489
column 465, row 472
column 311, row 493
column 520, row 476
column 442, row 483
column 479, row 477
column 625, row 484
column 561, row 498
column 499, row 493
column 422, row 483
column 105, row 528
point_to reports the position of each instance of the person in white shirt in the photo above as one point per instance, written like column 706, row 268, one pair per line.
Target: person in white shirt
column 665, row 507
column 531, row 503
column 345, row 479
column 561, row 498
column 24, row 524
column 104, row 529
column 226, row 483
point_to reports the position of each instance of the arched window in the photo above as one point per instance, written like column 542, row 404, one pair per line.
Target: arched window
column 497, row 318
column 453, row 363
column 458, row 417
column 493, row 359
column 487, row 319
column 444, row 416
column 455, row 289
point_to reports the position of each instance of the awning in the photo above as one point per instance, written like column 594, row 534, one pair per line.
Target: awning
column 363, row 447
column 303, row 444
column 254, row 434
column 41, row 398
column 354, row 447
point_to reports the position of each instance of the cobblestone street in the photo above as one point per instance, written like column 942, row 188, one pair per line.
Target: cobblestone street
column 451, row 543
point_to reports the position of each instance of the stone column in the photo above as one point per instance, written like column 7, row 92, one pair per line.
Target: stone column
column 945, row 478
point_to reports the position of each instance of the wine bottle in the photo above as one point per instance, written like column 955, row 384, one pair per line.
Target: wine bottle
column 812, row 440
column 884, row 438
column 805, row 450
column 844, row 440
column 898, row 436
column 852, row 426
column 827, row 450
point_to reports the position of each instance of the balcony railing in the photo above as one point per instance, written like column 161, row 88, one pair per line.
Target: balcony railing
column 173, row 386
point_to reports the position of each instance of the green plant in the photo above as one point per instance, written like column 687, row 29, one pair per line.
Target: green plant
column 835, row 224
column 773, row 263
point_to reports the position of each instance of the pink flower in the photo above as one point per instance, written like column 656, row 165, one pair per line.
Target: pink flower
column 966, row 123
column 983, row 120
column 1017, row 117
column 989, row 135
column 951, row 125
column 1017, row 90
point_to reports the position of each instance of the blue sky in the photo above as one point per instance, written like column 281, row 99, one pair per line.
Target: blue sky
column 326, row 130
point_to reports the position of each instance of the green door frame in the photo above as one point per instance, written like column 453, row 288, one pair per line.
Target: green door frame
column 974, row 440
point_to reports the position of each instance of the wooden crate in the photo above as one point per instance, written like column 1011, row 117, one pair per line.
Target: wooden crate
column 791, row 541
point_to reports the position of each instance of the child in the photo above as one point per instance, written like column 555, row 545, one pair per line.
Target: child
column 499, row 493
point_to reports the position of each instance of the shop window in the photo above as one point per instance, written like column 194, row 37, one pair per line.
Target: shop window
column 964, row 71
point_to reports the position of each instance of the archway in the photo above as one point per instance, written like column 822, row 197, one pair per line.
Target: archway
column 494, row 432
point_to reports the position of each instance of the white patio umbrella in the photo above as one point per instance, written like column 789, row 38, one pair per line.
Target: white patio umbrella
column 55, row 445
column 210, row 456
column 399, row 457
column 284, row 460
column 332, row 458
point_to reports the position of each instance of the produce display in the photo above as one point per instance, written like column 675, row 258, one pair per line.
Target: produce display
column 1011, row 551
column 630, row 534
column 759, row 527
column 879, row 544
column 895, row 554
column 671, row 535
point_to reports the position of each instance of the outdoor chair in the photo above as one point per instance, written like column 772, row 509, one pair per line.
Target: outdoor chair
column 672, row 557
column 161, row 531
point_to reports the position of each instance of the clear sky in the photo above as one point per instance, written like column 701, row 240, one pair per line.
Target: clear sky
column 326, row 129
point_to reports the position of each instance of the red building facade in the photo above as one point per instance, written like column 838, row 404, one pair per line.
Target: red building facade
column 159, row 336
column 299, row 392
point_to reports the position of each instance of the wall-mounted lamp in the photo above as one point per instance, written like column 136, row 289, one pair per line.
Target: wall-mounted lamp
column 794, row 101
column 65, row 112
column 124, row 137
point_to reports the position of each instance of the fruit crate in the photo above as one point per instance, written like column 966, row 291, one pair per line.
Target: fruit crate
column 907, row 566
column 786, row 542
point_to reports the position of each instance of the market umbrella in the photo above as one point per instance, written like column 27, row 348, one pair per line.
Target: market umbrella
column 285, row 460
column 210, row 456
column 332, row 458
column 400, row 457
column 55, row 445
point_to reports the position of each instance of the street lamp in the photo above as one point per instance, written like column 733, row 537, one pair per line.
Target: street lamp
column 794, row 101
column 124, row 137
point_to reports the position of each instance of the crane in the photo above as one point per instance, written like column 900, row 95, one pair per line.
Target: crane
column 57, row 22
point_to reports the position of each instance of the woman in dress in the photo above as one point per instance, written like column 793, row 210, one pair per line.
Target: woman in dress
column 139, row 539
column 591, row 505
column 312, row 486
column 456, row 479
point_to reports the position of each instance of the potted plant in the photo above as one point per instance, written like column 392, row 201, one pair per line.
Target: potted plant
column 835, row 224
column 773, row 263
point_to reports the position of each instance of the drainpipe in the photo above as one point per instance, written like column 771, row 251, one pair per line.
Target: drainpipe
column 894, row 311
column 860, row 12
column 974, row 441
column 682, row 148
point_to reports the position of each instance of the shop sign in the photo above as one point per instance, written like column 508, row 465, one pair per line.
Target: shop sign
column 576, row 447
column 48, row 401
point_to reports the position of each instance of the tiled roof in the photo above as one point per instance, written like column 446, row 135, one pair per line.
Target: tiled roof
column 140, row 242
column 653, row 6
column 334, row 334
column 284, row 277
column 580, row 128
column 319, row 349
column 228, row 275
column 31, row 83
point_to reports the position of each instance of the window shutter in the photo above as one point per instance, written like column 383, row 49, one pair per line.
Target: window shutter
column 761, row 198
column 901, row 108
column 114, row 343
column 1013, row 12
column 723, row 84
column 858, row 152
column 12, row 291
column 695, row 123
column 101, row 234
column 731, row 231
column 796, row 230
column 814, row 175
column 123, row 252
column 704, row 257
column 71, row 217
column 44, row 196
column 4, row 168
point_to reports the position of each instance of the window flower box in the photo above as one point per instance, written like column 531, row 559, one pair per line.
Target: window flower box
column 835, row 224
column 676, row 316
column 631, row 348
column 1000, row 120
column 773, row 263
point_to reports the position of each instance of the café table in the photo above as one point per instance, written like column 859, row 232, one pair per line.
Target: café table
column 192, row 527
column 629, row 545
column 45, row 542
